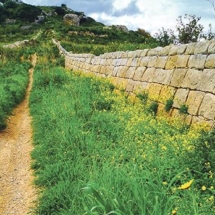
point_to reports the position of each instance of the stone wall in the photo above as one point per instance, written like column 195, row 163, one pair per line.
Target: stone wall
column 185, row 74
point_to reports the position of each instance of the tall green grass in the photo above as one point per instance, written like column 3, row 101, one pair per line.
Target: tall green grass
column 13, row 83
column 96, row 152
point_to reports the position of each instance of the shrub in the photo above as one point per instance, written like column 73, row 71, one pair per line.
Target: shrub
column 183, row 109
column 168, row 105
column 143, row 96
column 153, row 107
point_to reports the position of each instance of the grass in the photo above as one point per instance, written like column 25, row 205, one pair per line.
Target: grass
column 13, row 83
column 97, row 152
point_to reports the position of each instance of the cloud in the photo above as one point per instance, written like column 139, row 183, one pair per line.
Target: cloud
column 150, row 15
column 118, row 6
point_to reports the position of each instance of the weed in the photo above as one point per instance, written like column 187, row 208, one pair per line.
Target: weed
column 168, row 105
column 183, row 109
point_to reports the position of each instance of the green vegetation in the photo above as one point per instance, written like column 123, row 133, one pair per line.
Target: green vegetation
column 13, row 83
column 188, row 30
column 96, row 152
column 168, row 104
column 183, row 109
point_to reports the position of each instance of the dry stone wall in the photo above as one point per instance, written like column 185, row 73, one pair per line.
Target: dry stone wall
column 184, row 73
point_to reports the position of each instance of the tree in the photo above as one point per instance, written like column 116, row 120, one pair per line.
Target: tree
column 165, row 37
column 190, row 31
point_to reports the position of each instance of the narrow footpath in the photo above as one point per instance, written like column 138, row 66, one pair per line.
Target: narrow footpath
column 17, row 192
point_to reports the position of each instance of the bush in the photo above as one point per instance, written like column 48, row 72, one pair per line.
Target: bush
column 183, row 109
column 168, row 105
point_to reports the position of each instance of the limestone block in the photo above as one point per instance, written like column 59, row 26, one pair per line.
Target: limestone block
column 88, row 60
column 93, row 60
column 139, row 73
column 144, row 61
column 130, row 54
column 130, row 72
column 178, row 77
column 121, row 71
column 103, row 62
column 197, row 61
column 136, row 53
column 207, row 82
column 182, row 61
column 114, row 62
column 166, row 93
column 98, row 60
column 207, row 107
column 152, row 61
column 109, row 70
column 104, row 70
column 165, row 51
column 140, row 87
column 211, row 48
column 115, row 71
column 144, row 53
column 161, row 62
column 210, row 61
column 202, row 47
column 194, row 101
column 130, row 86
column 114, row 55
column 192, row 79
column 173, row 50
column 96, row 68
column 109, row 61
column 154, row 91
column 162, row 76
column 154, row 52
column 119, row 54
column 129, row 62
column 134, row 62
column 171, row 62
column 125, row 54
column 148, row 75
column 190, row 49
column 181, row 49
column 124, row 62
column 180, row 97
column 177, row 50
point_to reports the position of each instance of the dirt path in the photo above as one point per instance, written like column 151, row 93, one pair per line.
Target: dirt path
column 16, row 178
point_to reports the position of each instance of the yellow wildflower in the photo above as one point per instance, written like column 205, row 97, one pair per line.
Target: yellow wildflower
column 204, row 188
column 211, row 198
column 164, row 183
column 186, row 185
column 174, row 212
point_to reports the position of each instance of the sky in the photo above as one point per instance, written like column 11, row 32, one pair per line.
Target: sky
column 150, row 15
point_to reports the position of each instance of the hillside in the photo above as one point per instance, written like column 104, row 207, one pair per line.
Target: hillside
column 80, row 33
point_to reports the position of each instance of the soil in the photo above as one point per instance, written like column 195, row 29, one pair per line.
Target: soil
column 17, row 192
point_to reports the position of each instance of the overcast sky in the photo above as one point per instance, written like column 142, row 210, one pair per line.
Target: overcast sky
column 150, row 15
